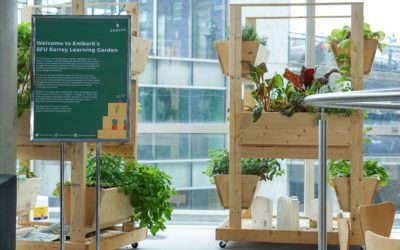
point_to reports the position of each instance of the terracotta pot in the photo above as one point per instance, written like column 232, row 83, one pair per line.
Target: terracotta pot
column 249, row 184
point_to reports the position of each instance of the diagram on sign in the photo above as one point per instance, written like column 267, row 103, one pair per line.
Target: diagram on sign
column 115, row 123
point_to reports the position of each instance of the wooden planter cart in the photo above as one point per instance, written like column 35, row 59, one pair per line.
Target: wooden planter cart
column 79, row 200
column 277, row 136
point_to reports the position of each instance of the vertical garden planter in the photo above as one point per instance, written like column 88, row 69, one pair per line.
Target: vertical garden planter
column 115, row 207
column 27, row 192
column 342, row 189
column 139, row 54
column 252, row 52
column 370, row 47
column 249, row 185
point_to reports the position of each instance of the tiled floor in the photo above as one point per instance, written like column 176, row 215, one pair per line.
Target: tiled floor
column 203, row 238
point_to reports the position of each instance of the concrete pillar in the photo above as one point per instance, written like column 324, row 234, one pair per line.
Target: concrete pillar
column 8, row 81
column 8, row 77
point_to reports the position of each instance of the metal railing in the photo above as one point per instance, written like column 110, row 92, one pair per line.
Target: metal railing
column 386, row 99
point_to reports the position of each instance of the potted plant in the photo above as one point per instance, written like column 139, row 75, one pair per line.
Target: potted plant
column 339, row 172
column 27, row 190
column 253, row 50
column 253, row 171
column 129, row 192
column 339, row 42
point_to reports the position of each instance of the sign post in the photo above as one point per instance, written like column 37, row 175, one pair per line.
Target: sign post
column 80, row 86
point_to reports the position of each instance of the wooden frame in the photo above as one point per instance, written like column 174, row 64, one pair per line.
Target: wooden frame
column 113, row 237
column 300, row 144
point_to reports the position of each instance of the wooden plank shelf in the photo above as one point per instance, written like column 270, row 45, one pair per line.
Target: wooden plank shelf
column 110, row 239
column 302, row 236
column 296, row 137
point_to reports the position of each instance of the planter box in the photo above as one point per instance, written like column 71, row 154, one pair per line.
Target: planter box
column 367, row 192
column 27, row 192
column 139, row 54
column 115, row 207
column 249, row 185
column 278, row 136
column 252, row 52
column 370, row 47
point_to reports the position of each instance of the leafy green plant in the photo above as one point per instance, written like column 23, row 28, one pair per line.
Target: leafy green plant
column 274, row 95
column 342, row 168
column 343, row 39
column 25, row 171
column 148, row 188
column 24, row 67
column 265, row 168
column 249, row 33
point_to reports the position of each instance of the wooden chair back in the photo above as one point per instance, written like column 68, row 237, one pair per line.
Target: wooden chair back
column 344, row 232
column 377, row 218
column 377, row 242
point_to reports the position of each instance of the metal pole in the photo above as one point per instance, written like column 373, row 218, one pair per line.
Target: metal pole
column 62, row 232
column 97, row 196
column 322, row 234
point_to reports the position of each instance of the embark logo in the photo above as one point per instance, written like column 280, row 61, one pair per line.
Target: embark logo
column 117, row 28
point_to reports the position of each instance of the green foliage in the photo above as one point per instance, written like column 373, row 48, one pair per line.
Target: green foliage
column 249, row 33
column 148, row 188
column 343, row 37
column 24, row 67
column 24, row 170
column 342, row 168
column 274, row 95
column 265, row 168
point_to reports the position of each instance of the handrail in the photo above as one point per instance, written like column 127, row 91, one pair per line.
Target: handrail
column 386, row 99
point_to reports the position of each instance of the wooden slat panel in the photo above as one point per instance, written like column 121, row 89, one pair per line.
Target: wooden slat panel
column 357, row 149
column 235, row 104
column 302, row 129
column 288, row 152
column 279, row 236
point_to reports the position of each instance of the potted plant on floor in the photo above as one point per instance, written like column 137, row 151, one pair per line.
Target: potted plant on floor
column 253, row 50
column 339, row 42
column 253, row 171
column 339, row 172
column 27, row 190
column 129, row 192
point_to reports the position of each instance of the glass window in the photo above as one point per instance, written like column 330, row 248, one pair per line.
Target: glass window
column 172, row 146
column 208, row 105
column 172, row 105
column 173, row 72
column 202, row 143
column 146, row 97
column 208, row 74
column 173, row 28
column 145, row 147
column 208, row 15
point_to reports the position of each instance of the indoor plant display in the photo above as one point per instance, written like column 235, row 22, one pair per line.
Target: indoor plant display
column 129, row 191
column 27, row 189
column 253, row 50
column 274, row 95
column 339, row 172
column 253, row 170
column 339, row 42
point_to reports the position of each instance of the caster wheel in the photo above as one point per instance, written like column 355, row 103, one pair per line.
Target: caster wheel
column 222, row 244
column 135, row 245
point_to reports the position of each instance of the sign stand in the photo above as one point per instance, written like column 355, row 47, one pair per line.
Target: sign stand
column 97, row 196
column 62, row 233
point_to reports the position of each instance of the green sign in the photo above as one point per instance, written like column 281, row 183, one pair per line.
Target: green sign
column 80, row 78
